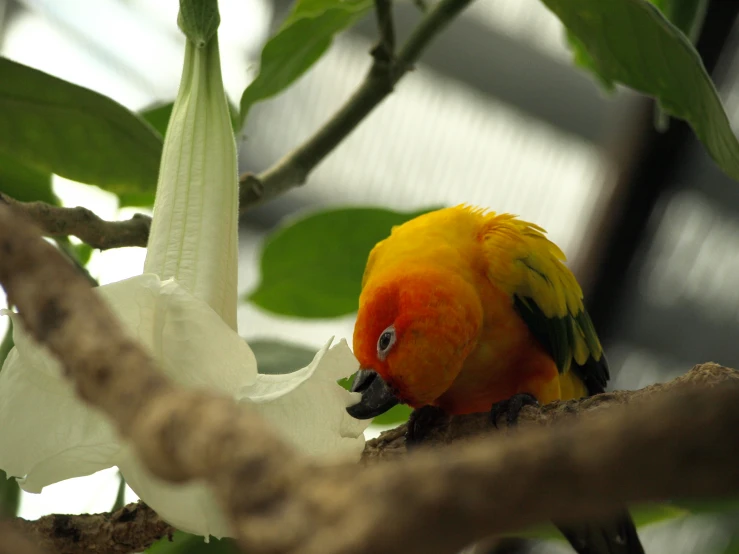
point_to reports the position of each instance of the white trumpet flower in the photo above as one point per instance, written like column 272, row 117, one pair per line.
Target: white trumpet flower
column 183, row 309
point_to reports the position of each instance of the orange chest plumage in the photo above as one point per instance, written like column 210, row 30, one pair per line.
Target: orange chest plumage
column 505, row 360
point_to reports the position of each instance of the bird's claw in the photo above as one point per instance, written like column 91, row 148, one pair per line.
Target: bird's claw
column 511, row 407
column 420, row 422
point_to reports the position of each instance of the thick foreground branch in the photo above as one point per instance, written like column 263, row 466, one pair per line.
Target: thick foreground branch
column 12, row 541
column 133, row 528
column 678, row 443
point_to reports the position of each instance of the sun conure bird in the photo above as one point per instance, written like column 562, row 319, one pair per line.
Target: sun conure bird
column 467, row 310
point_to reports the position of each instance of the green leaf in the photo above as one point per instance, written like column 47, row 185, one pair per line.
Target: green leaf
column 346, row 382
column 158, row 115
column 301, row 40
column 313, row 267
column 642, row 515
column 394, row 416
column 716, row 505
column 10, row 495
column 25, row 183
column 79, row 255
column 57, row 127
column 138, row 199
column 733, row 546
column 120, row 497
column 647, row 514
column 7, row 343
column 83, row 252
column 185, row 543
column 10, row 492
column 581, row 58
column 686, row 15
column 275, row 357
column 631, row 42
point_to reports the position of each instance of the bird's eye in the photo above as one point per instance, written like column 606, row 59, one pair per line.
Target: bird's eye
column 385, row 342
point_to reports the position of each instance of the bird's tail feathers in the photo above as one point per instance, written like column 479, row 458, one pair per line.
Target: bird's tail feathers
column 616, row 536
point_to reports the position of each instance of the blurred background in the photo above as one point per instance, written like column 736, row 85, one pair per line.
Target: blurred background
column 495, row 114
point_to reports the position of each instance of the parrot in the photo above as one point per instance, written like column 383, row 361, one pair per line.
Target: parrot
column 466, row 310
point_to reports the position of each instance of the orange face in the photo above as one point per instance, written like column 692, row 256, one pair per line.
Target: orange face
column 378, row 310
column 415, row 329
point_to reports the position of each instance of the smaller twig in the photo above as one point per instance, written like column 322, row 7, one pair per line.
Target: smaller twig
column 80, row 222
column 384, row 50
column 293, row 169
column 133, row 528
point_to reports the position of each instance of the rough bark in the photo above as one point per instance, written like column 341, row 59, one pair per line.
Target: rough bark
column 456, row 429
column 13, row 541
column 133, row 528
column 55, row 221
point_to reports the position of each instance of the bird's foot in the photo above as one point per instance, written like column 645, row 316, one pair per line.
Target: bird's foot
column 420, row 423
column 511, row 407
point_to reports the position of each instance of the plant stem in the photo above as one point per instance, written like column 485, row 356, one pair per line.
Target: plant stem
column 293, row 169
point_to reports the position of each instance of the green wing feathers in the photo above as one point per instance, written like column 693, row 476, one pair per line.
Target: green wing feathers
column 527, row 265
column 564, row 338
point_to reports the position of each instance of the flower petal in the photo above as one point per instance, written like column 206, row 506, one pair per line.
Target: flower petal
column 48, row 434
column 308, row 407
column 185, row 335
column 194, row 231
column 190, row 507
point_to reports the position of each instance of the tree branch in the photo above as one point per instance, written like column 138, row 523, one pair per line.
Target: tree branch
column 385, row 72
column 447, row 430
column 14, row 542
column 80, row 222
column 133, row 528
column 677, row 443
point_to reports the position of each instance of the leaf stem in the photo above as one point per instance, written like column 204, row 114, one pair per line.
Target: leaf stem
column 385, row 48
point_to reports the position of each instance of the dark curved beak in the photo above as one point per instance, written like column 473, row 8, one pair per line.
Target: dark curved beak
column 377, row 397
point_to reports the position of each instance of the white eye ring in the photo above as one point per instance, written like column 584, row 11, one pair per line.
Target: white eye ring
column 385, row 342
